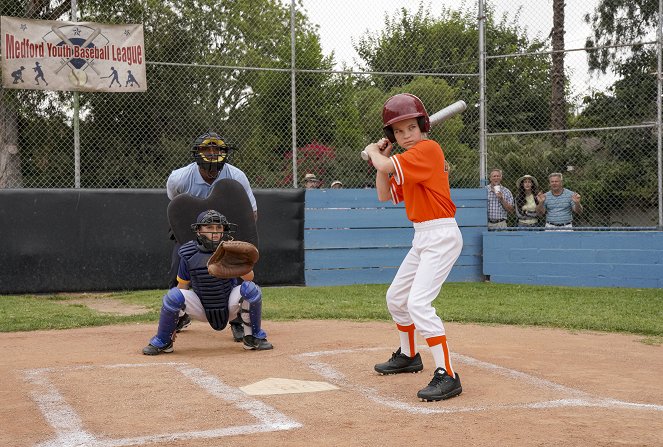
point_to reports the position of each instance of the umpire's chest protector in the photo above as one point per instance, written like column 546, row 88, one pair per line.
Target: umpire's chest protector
column 212, row 292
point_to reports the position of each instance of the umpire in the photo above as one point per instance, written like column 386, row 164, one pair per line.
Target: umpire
column 210, row 165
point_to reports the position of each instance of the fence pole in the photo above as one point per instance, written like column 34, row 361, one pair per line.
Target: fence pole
column 76, row 121
column 659, row 87
column 293, row 94
column 482, row 88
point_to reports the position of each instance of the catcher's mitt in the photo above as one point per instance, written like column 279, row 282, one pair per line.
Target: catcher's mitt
column 232, row 259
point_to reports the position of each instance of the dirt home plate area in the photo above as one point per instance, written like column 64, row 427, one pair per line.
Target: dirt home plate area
column 521, row 387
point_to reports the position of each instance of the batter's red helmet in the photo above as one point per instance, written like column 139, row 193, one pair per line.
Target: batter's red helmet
column 401, row 107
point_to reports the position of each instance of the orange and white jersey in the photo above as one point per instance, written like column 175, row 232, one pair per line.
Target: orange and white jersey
column 421, row 180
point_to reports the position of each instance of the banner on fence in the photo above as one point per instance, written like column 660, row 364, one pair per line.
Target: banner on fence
column 72, row 56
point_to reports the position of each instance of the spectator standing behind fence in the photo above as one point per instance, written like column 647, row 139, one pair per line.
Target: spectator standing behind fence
column 336, row 184
column 527, row 189
column 558, row 204
column 311, row 181
column 500, row 201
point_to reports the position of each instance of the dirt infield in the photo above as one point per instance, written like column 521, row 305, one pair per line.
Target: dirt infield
column 522, row 387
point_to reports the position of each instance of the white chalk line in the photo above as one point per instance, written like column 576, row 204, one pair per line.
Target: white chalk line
column 575, row 397
column 69, row 429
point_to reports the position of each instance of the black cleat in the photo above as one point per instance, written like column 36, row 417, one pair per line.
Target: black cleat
column 238, row 331
column 443, row 386
column 153, row 350
column 182, row 322
column 257, row 344
column 400, row 363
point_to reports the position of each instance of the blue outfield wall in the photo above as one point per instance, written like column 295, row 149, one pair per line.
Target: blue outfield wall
column 352, row 238
column 578, row 258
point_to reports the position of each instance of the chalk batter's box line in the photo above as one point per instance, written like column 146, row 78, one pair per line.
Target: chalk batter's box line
column 574, row 397
column 69, row 427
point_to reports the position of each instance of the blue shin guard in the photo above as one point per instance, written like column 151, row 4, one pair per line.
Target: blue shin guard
column 173, row 302
column 252, row 298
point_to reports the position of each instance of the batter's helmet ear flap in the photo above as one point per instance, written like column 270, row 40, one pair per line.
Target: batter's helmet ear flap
column 405, row 106
column 389, row 133
column 423, row 123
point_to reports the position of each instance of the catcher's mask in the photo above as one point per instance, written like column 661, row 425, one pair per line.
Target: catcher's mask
column 210, row 153
column 212, row 217
column 401, row 107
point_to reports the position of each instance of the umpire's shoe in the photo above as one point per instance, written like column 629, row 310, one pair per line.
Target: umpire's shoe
column 443, row 386
column 237, row 328
column 400, row 363
column 153, row 350
column 182, row 322
column 257, row 344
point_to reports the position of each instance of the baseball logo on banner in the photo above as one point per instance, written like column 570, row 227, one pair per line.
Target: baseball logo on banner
column 72, row 56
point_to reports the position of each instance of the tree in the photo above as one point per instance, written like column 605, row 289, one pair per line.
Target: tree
column 558, row 98
column 435, row 94
column 518, row 88
column 619, row 22
column 625, row 169
column 11, row 175
column 195, row 52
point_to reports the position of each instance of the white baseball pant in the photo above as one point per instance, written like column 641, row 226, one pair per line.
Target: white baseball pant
column 435, row 248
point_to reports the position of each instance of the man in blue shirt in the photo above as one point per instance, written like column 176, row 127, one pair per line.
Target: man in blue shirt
column 558, row 204
column 210, row 154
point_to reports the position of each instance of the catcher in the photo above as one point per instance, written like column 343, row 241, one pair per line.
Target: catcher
column 216, row 299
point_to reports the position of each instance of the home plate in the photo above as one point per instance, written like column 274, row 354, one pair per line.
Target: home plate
column 274, row 385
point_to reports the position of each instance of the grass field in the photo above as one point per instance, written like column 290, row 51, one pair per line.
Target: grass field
column 635, row 311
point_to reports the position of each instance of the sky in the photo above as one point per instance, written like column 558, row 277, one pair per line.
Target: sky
column 342, row 21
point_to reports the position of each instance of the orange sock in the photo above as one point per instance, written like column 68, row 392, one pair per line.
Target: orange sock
column 440, row 351
column 408, row 346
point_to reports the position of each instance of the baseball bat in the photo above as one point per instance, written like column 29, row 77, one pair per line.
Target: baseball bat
column 64, row 38
column 438, row 117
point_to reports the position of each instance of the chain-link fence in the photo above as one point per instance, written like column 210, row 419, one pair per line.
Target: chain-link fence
column 537, row 103
column 580, row 98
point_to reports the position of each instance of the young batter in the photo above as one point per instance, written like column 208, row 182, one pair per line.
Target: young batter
column 419, row 177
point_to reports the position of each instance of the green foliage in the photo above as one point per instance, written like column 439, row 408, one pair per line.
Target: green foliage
column 449, row 44
column 617, row 22
column 637, row 311
column 436, row 93
column 191, row 47
column 29, row 313
column 623, row 175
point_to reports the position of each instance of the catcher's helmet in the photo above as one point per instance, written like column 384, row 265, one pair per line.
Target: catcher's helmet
column 212, row 217
column 210, row 162
column 401, row 107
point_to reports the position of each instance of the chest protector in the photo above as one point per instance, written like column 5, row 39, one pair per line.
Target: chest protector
column 213, row 292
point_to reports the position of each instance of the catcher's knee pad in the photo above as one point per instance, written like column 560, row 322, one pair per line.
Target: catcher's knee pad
column 174, row 300
column 250, row 291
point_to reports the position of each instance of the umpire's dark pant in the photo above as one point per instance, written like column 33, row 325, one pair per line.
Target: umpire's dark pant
column 174, row 266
